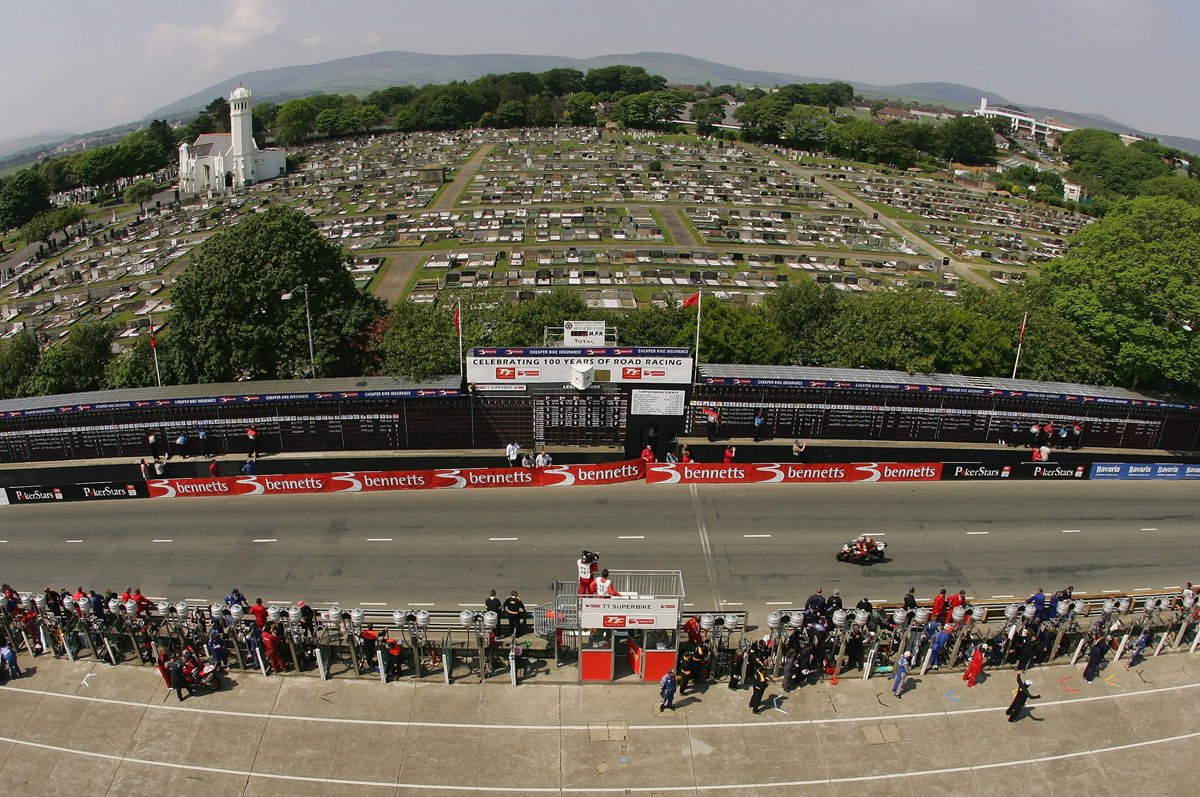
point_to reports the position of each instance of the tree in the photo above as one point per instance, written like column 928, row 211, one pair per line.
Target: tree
column 296, row 120
column 804, row 126
column 141, row 192
column 803, row 311
column 134, row 367
column 1132, row 283
column 540, row 111
column 228, row 305
column 510, row 114
column 581, row 109
column 74, row 366
column 855, row 139
column 729, row 334
column 763, row 119
column 1174, row 185
column 18, row 360
column 23, row 196
column 707, row 114
column 969, row 140
column 44, row 226
column 562, row 81
column 420, row 342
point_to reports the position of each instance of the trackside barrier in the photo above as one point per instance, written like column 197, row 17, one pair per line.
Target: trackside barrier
column 467, row 646
column 605, row 473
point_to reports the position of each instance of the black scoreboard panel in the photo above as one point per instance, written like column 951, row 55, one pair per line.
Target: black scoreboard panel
column 500, row 420
column 575, row 419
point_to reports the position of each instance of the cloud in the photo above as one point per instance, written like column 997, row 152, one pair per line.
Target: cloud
column 242, row 23
column 373, row 38
column 312, row 40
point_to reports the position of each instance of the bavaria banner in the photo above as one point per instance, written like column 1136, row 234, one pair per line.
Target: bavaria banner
column 375, row 481
column 792, row 473
column 1144, row 470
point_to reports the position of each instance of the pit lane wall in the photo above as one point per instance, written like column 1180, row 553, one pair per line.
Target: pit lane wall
column 598, row 473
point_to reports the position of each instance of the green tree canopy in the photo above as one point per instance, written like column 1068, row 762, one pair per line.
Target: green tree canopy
column 969, row 140
column 1132, row 282
column 141, row 192
column 44, row 226
column 581, row 109
column 296, row 120
column 23, row 196
column 18, row 360
column 228, row 303
column 76, row 364
column 707, row 114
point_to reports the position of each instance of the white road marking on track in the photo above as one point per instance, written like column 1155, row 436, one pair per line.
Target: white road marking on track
column 632, row 537
column 710, row 564
column 423, row 604
column 3, row 540
column 779, row 603
column 1003, row 596
column 270, row 539
column 1070, row 531
column 977, row 532
column 197, row 600
column 1174, row 586
column 731, row 603
column 74, row 541
column 755, row 536
column 162, row 540
column 1110, row 592
column 880, row 534
column 372, row 604
column 379, row 539
column 470, row 605
column 1149, row 529
column 1142, row 589
column 502, row 539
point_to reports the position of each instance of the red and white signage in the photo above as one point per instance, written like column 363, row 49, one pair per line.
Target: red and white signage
column 792, row 473
column 628, row 612
column 374, row 481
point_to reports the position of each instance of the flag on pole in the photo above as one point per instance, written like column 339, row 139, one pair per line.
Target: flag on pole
column 1024, row 320
column 693, row 300
column 458, row 317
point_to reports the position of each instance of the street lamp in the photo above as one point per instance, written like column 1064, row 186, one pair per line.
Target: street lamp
column 312, row 361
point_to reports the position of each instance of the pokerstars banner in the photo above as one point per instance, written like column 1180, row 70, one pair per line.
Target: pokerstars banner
column 792, row 473
column 376, row 481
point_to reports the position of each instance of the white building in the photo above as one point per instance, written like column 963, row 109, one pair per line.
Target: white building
column 218, row 162
column 1022, row 124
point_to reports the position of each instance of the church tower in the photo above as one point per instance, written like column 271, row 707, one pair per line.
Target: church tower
column 241, row 127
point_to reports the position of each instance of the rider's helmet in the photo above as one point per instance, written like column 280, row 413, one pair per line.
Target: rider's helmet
column 860, row 538
column 869, row 541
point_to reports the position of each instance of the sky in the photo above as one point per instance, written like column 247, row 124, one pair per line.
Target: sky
column 103, row 64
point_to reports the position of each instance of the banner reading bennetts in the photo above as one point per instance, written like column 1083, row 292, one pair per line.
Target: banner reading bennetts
column 374, row 481
column 793, row 473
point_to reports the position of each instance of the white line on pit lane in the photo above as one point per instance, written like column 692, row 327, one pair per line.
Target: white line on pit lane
column 1149, row 529
column 977, row 532
column 502, row 539
column 1070, row 531
column 632, row 537
column 162, row 540
column 755, row 536
column 74, row 541
column 271, row 539
column 379, row 539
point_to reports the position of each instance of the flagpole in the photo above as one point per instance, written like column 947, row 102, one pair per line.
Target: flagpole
column 458, row 323
column 154, row 349
column 1020, row 343
column 696, row 364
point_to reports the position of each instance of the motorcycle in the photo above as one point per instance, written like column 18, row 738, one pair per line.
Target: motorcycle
column 851, row 553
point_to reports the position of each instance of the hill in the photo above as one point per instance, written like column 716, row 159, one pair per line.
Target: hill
column 363, row 73
column 14, row 146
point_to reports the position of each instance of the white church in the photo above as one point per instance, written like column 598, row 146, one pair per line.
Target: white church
column 218, row 162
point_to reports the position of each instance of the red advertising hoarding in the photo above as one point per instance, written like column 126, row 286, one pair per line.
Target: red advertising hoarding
column 792, row 472
column 375, row 481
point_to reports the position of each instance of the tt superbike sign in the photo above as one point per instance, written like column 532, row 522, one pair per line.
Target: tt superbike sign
column 622, row 612
column 793, row 473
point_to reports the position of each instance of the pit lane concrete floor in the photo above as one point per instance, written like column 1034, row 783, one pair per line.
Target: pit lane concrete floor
column 119, row 731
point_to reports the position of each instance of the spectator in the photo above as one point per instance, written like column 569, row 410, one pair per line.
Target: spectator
column 670, row 458
column 145, row 469
column 252, row 437
column 1076, row 435
column 492, row 604
column 181, row 444
column 248, row 467
column 798, row 447
column 910, row 600
column 685, row 456
column 214, row 470
column 152, row 442
column 1045, row 450
column 648, row 454
column 159, row 467
column 260, row 612
column 730, row 453
column 527, row 460
column 514, row 610
column 759, row 422
column 512, row 452
column 543, row 459
column 712, row 419
column 202, row 434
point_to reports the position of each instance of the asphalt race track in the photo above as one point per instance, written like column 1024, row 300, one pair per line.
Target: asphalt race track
column 749, row 547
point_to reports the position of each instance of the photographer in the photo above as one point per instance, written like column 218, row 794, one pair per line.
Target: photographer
column 588, row 565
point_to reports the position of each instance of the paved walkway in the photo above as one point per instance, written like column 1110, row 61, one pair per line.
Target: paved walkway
column 466, row 173
column 119, row 731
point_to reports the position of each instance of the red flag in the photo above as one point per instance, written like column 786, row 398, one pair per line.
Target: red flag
column 1021, row 338
column 458, row 318
column 693, row 300
column 152, row 344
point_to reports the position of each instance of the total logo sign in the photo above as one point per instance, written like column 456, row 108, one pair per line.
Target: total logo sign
column 633, row 373
column 625, row 621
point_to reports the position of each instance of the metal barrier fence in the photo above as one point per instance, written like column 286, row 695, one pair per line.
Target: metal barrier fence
column 475, row 646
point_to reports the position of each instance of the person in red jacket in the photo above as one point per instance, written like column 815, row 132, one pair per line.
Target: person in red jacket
column 144, row 604
column 975, row 667
column 271, row 643
column 648, row 454
column 939, row 606
column 730, row 452
column 260, row 612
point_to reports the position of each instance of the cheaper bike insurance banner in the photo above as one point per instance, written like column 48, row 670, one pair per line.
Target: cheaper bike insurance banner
column 792, row 473
column 375, row 481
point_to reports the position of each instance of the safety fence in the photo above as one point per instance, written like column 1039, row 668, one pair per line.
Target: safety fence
column 586, row 474
column 478, row 646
